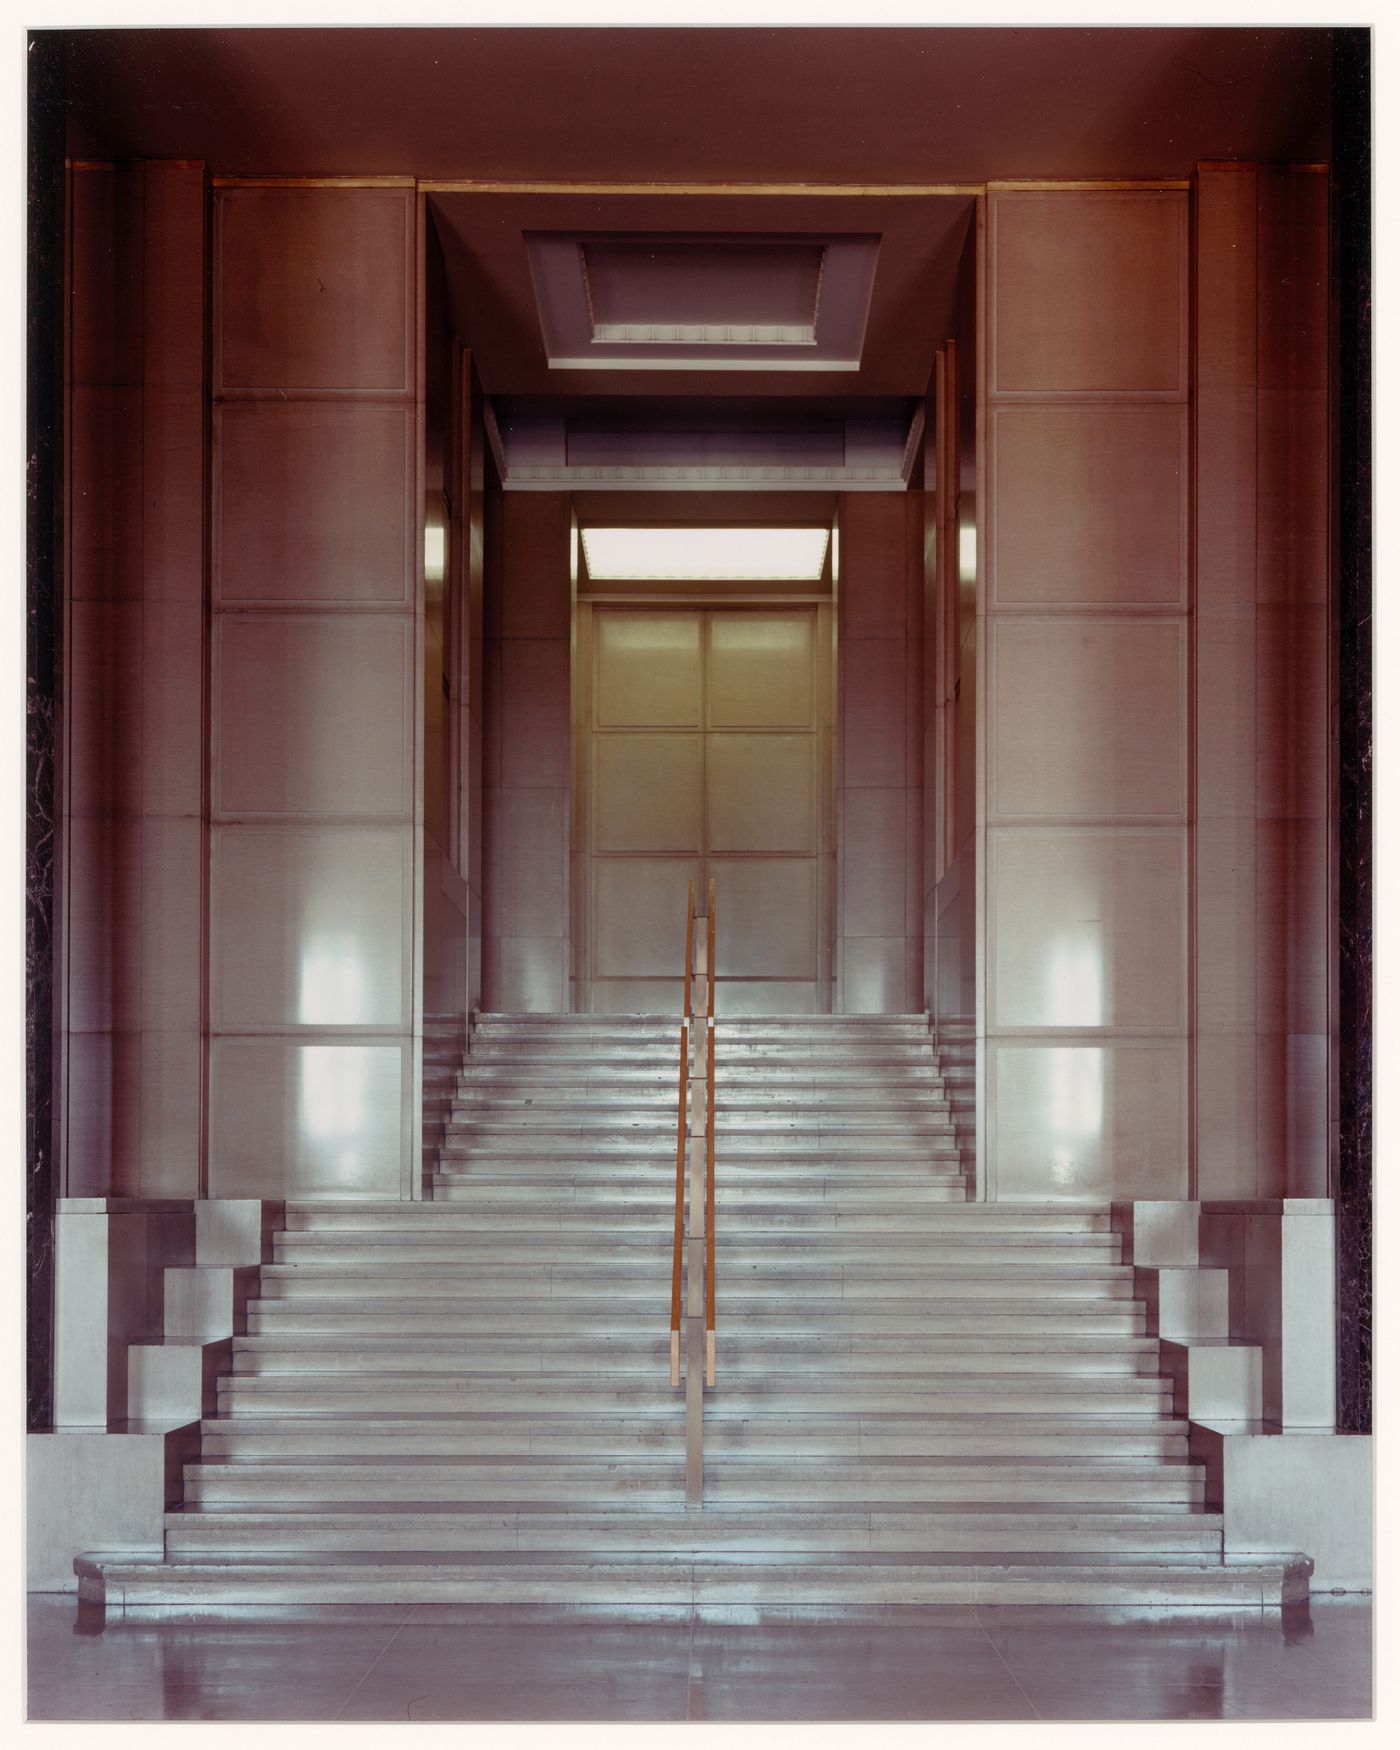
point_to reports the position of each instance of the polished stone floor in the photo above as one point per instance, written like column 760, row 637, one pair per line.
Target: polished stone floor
column 442, row 1662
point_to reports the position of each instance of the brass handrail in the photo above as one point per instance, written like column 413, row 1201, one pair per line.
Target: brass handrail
column 679, row 1241
column 689, row 948
column 682, row 1134
column 710, row 1193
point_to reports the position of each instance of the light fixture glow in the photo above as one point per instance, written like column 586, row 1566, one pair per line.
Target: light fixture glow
column 758, row 555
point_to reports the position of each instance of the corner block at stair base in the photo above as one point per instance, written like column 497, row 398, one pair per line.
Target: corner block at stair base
column 1157, row 1235
column 1283, row 1489
column 109, row 1293
column 1282, row 1261
column 176, row 1380
column 208, row 1300
column 1215, row 1381
column 88, row 1488
column 129, row 1271
column 1185, row 1304
column 235, row 1231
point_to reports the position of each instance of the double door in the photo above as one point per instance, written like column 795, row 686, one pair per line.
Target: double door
column 705, row 753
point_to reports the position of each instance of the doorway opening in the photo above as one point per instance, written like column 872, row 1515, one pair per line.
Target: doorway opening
column 703, row 749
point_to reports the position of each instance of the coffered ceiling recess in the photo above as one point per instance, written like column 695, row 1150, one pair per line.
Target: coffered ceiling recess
column 667, row 301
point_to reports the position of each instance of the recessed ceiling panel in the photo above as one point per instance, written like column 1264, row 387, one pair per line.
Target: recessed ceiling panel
column 665, row 301
column 713, row 289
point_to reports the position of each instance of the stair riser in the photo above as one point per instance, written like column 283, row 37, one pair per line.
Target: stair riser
column 1220, row 1590
column 601, row 1318
column 668, row 1439
column 1125, row 1533
column 663, row 1484
column 963, row 1219
column 944, row 1295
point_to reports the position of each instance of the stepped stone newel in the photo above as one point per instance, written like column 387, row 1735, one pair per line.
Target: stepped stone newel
column 151, row 1292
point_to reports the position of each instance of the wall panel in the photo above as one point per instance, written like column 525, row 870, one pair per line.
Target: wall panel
column 319, row 788
column 306, row 509
column 1092, row 510
column 314, row 291
column 526, row 905
column 880, row 737
column 1088, row 293
column 315, row 715
column 1263, row 752
column 1087, row 710
column 135, row 666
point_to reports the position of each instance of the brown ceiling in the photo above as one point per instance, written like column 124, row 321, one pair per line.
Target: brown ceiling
column 809, row 105
column 850, row 111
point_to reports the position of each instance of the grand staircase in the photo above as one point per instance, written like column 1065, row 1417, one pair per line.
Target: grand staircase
column 920, row 1399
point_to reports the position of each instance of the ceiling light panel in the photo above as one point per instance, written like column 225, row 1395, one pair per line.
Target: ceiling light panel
column 615, row 555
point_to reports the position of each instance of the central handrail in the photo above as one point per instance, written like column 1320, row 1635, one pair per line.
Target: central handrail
column 700, row 1223
column 679, row 1244
column 678, row 1238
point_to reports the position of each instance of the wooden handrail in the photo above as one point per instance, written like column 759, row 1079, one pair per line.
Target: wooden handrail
column 678, row 1246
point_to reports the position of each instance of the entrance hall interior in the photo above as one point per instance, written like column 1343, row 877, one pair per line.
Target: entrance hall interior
column 702, row 845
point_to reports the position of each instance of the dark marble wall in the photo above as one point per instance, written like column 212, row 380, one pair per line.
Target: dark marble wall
column 1351, row 157
column 43, row 456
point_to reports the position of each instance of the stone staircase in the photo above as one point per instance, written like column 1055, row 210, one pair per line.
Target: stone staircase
column 919, row 1399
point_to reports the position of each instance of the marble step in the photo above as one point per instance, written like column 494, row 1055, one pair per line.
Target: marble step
column 581, row 1316
column 742, row 1353
column 687, row 1583
column 379, row 1215
column 732, row 1191
column 750, row 1214
column 945, row 1287
column 773, row 1393
column 1016, row 1529
column 657, row 1079
column 660, row 1479
column 468, row 1249
column 899, row 1146
column 578, row 1434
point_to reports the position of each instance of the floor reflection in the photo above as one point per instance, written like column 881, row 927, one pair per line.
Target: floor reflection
column 522, row 1663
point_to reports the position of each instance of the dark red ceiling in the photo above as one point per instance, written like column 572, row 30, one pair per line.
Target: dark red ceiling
column 664, row 105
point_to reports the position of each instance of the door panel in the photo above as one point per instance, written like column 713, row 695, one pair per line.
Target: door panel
column 760, row 793
column 761, row 669
column 647, row 793
column 767, row 917
column 635, row 911
column 648, row 670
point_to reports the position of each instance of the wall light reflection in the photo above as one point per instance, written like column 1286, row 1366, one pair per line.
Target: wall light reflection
column 331, row 990
column 332, row 1094
column 1075, row 1118
column 1075, row 978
